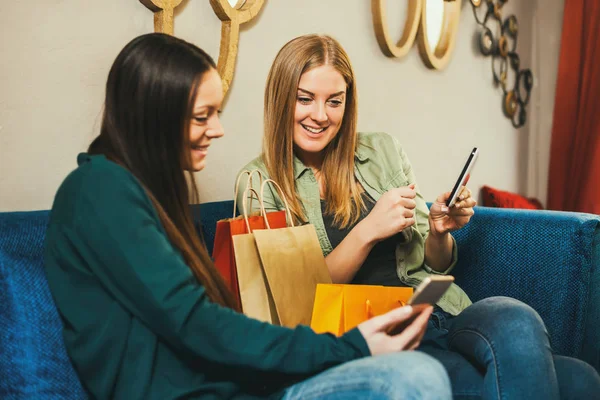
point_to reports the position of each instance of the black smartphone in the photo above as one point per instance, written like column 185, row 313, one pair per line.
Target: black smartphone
column 463, row 178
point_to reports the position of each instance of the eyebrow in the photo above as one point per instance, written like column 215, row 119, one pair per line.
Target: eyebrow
column 312, row 94
column 204, row 108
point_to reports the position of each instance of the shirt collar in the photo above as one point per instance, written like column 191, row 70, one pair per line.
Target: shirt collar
column 299, row 168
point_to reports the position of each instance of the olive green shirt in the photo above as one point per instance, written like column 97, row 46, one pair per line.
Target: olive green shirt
column 380, row 165
column 138, row 325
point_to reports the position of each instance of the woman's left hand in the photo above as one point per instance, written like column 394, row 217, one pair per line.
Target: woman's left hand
column 443, row 219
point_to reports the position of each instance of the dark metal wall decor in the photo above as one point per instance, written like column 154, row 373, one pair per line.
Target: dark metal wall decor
column 516, row 83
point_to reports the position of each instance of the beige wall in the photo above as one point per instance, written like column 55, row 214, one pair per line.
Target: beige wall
column 54, row 61
column 545, row 50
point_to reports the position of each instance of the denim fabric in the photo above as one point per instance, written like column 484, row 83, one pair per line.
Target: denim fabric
column 499, row 349
column 408, row 375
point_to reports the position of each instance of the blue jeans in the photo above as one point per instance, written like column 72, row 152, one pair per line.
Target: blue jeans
column 391, row 376
column 498, row 348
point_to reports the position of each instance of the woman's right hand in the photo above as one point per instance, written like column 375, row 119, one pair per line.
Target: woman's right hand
column 392, row 213
column 375, row 331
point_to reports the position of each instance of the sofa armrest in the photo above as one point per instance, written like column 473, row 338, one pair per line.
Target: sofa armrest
column 547, row 259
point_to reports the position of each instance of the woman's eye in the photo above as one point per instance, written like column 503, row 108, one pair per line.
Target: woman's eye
column 200, row 120
column 304, row 100
column 335, row 103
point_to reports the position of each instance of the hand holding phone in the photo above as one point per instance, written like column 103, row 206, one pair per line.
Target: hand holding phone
column 427, row 294
column 415, row 312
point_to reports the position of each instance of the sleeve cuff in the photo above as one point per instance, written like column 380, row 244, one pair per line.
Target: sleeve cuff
column 357, row 341
column 452, row 262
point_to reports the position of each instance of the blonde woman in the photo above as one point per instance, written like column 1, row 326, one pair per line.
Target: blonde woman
column 374, row 227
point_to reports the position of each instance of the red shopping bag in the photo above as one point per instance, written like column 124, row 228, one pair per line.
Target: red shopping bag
column 223, row 255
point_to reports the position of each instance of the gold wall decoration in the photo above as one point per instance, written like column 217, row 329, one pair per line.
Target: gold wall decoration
column 231, row 16
column 163, row 13
column 231, row 19
column 516, row 83
column 435, row 56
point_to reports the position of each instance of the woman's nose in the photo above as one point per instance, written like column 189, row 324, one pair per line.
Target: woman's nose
column 319, row 113
column 216, row 129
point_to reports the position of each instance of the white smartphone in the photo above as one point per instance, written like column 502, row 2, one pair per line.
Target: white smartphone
column 463, row 178
column 431, row 289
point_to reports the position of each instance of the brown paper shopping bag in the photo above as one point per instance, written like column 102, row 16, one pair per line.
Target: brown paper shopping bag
column 340, row 308
column 226, row 229
column 291, row 263
column 255, row 297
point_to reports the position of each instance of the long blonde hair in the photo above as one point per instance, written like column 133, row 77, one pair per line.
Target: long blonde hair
column 342, row 192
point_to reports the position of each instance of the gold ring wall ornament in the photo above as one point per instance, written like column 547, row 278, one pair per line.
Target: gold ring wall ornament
column 417, row 28
column 232, row 16
column 382, row 33
column 502, row 49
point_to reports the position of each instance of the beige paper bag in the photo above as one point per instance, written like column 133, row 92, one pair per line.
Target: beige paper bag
column 279, row 269
column 256, row 299
column 293, row 264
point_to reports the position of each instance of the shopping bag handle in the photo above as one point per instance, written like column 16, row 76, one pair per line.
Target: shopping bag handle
column 281, row 194
column 245, row 208
column 248, row 184
column 369, row 307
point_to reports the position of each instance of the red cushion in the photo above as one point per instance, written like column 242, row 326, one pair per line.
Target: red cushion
column 500, row 198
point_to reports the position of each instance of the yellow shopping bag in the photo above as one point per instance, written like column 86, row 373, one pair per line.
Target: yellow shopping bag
column 340, row 308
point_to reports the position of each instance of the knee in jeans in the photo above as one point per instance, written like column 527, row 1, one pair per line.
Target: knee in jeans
column 577, row 379
column 509, row 314
column 416, row 373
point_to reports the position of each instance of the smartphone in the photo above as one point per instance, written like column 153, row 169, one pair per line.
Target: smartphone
column 431, row 290
column 427, row 294
column 463, row 178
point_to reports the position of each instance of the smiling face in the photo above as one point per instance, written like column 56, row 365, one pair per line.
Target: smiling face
column 320, row 105
column 204, row 122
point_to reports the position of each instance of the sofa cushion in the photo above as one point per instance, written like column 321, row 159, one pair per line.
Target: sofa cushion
column 499, row 198
column 33, row 360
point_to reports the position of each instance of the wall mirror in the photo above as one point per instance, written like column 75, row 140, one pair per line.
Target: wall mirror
column 437, row 32
column 434, row 14
column 236, row 3
column 433, row 23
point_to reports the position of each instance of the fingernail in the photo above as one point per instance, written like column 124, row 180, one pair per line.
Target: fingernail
column 406, row 310
column 444, row 209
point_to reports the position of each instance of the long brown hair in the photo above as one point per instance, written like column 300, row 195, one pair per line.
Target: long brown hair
column 342, row 192
column 150, row 92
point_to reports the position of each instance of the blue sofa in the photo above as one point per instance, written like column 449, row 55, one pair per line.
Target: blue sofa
column 549, row 260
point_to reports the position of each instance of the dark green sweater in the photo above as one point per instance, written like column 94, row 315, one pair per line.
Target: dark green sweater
column 138, row 325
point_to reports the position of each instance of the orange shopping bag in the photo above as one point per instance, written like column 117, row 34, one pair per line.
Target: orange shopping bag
column 223, row 253
column 340, row 308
